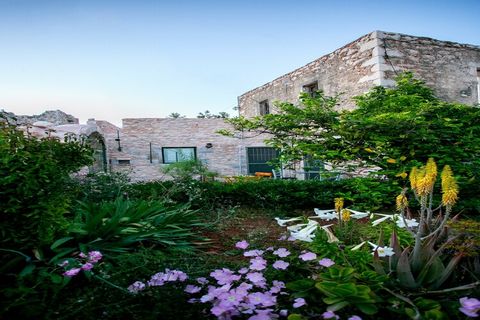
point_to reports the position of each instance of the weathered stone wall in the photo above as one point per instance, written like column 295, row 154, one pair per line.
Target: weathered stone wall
column 449, row 68
column 227, row 156
column 350, row 70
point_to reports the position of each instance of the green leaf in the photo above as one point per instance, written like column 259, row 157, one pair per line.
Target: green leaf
column 301, row 285
column 295, row 316
column 59, row 242
column 367, row 308
column 27, row 270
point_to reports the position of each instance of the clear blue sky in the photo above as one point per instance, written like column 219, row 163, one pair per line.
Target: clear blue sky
column 117, row 59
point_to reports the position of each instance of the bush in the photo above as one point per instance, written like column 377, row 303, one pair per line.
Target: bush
column 100, row 186
column 33, row 173
column 361, row 193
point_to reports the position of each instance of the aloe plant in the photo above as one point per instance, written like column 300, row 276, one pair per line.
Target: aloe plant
column 424, row 265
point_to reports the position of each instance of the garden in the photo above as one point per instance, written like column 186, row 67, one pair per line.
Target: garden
column 400, row 244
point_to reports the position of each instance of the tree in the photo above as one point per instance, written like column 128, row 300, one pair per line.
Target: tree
column 392, row 128
column 208, row 115
column 175, row 115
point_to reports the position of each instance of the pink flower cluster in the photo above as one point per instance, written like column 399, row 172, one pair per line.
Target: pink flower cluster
column 158, row 280
column 85, row 262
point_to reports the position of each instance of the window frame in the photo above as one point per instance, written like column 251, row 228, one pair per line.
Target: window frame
column 263, row 107
column 311, row 88
column 170, row 148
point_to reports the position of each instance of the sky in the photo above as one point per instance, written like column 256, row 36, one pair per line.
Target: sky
column 110, row 60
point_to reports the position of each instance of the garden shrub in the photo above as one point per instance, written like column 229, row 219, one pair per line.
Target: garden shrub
column 100, row 186
column 362, row 193
column 33, row 174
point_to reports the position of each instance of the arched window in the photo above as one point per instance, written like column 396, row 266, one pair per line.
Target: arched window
column 97, row 143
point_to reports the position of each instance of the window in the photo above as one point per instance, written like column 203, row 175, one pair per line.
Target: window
column 172, row 155
column 123, row 162
column 264, row 108
column 311, row 88
column 258, row 158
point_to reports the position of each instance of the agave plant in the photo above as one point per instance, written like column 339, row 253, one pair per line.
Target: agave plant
column 120, row 225
column 424, row 265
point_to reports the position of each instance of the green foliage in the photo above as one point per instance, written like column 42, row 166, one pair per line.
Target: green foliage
column 33, row 173
column 208, row 115
column 394, row 129
column 271, row 193
column 121, row 225
column 101, row 186
column 341, row 290
column 184, row 171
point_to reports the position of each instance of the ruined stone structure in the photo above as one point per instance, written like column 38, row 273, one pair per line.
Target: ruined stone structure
column 451, row 69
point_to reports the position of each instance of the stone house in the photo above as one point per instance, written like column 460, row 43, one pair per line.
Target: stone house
column 451, row 69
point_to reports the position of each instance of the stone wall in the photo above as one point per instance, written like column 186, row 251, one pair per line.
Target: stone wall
column 142, row 137
column 449, row 68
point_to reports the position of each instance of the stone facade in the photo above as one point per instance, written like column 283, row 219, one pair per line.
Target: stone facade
column 451, row 69
column 142, row 141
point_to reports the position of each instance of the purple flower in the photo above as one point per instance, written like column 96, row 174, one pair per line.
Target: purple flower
column 218, row 310
column 354, row 318
column 192, row 289
column 280, row 265
column 160, row 278
column 283, row 238
column 224, row 276
column 281, row 252
column 202, row 280
column 329, row 315
column 258, row 263
column 283, row 312
column 256, row 278
column 253, row 253
column 82, row 255
column 94, row 256
column 279, row 284
column 326, row 262
column 269, row 249
column 243, row 270
column 72, row 272
column 307, row 256
column 87, row 266
column 243, row 288
column 265, row 314
column 265, row 299
column 136, row 287
column 242, row 245
column 470, row 306
column 299, row 302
